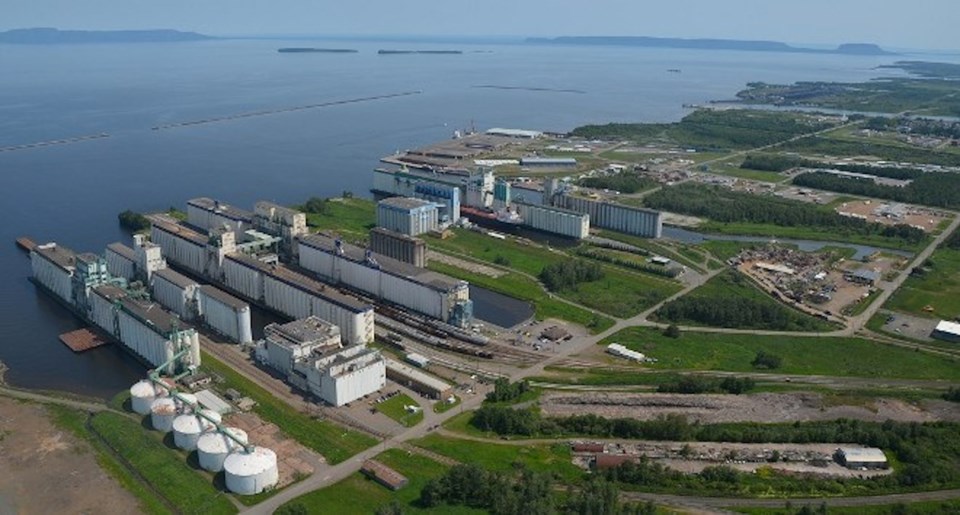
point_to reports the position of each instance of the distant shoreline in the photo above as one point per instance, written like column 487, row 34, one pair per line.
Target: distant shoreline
column 861, row 49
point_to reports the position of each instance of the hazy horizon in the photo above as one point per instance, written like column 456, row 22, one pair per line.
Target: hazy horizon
column 919, row 25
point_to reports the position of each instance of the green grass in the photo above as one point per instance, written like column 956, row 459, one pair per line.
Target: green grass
column 395, row 408
column 165, row 469
column 74, row 421
column 334, row 442
column 357, row 494
column 724, row 250
column 682, row 253
column 802, row 355
column 529, row 259
column 442, row 406
column 861, row 306
column 355, row 216
column 622, row 294
column 939, row 288
column 744, row 173
column 523, row 288
column 553, row 459
column 731, row 284
column 807, row 233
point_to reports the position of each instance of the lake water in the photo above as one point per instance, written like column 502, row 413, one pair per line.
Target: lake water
column 72, row 193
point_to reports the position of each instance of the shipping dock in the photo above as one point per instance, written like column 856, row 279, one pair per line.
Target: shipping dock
column 84, row 339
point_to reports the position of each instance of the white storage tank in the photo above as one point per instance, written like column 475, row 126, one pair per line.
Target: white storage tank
column 142, row 395
column 186, row 402
column 249, row 473
column 162, row 413
column 214, row 447
column 187, row 429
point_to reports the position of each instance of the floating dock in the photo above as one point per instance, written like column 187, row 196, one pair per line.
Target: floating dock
column 83, row 340
column 26, row 243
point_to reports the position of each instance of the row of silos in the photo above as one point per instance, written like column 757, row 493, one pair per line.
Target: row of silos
column 247, row 471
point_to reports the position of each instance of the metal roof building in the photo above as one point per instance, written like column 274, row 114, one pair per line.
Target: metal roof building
column 946, row 330
column 861, row 457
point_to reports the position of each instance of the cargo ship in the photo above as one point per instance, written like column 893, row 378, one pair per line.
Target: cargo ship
column 504, row 219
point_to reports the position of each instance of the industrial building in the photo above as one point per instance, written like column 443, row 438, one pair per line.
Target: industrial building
column 947, row 331
column 432, row 294
column 554, row 220
column 121, row 261
column 863, row 276
column 383, row 474
column 208, row 214
column 548, row 162
column 310, row 354
column 502, row 194
column 621, row 351
column 861, row 458
column 409, row 216
column 200, row 254
column 443, row 189
column 616, row 217
column 280, row 221
column 398, row 246
column 528, row 193
column 298, row 296
column 480, row 186
column 514, row 133
column 417, row 381
column 176, row 292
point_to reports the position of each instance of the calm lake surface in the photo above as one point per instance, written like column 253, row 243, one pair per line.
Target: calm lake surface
column 72, row 193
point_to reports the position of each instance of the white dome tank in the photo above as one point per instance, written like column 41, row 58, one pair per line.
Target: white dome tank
column 249, row 473
column 142, row 395
column 186, row 402
column 187, row 430
column 162, row 413
column 214, row 447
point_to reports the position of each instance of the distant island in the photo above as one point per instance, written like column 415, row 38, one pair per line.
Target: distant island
column 393, row 52
column 49, row 36
column 710, row 44
column 307, row 50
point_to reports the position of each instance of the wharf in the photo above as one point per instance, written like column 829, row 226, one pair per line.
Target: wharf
column 83, row 339
column 26, row 243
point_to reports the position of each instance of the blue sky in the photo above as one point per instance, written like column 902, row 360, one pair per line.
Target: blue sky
column 893, row 23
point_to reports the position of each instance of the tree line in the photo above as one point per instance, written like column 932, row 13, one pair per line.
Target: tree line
column 930, row 189
column 725, row 205
column 133, row 221
column 624, row 182
column 669, row 272
column 781, row 163
column 567, row 274
column 736, row 312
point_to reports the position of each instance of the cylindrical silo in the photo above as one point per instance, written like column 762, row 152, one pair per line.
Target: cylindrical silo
column 187, row 430
column 249, row 473
column 214, row 447
column 142, row 395
column 162, row 413
column 186, row 402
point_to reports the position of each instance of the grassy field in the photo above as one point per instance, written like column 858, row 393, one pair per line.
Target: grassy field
column 442, row 406
column 683, row 254
column 165, row 469
column 622, row 294
column 732, row 285
column 938, row 288
column 917, row 508
column 724, row 250
column 74, row 421
column 352, row 216
column 553, row 459
column 395, row 408
column 357, row 494
column 334, row 442
column 808, row 233
column 744, row 173
column 524, row 288
column 829, row 356
column 513, row 254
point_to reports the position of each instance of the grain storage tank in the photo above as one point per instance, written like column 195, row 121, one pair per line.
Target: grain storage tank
column 249, row 473
column 214, row 447
column 142, row 395
column 186, row 402
column 188, row 428
column 162, row 413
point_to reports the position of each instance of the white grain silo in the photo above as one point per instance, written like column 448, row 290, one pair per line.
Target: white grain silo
column 142, row 395
column 249, row 473
column 188, row 428
column 186, row 403
column 214, row 447
column 162, row 413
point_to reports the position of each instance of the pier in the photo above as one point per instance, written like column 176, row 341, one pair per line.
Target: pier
column 26, row 243
column 83, row 339
column 53, row 142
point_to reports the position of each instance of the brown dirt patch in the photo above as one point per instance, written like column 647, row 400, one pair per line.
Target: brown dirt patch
column 46, row 470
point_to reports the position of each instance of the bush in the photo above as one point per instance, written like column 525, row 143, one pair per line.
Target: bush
column 133, row 221
column 316, row 205
column 672, row 331
column 767, row 361
column 566, row 275
column 505, row 391
column 952, row 395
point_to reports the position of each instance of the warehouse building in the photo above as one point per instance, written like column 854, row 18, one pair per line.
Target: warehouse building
column 616, row 217
column 384, row 475
column 309, row 353
column 554, row 220
column 121, row 261
column 514, row 133
column 621, row 351
column 208, row 214
column 861, row 458
column 432, row 294
column 548, row 162
column 863, row 276
column 409, row 216
column 398, row 246
column 298, row 296
column 947, row 331
column 445, row 190
column 418, row 381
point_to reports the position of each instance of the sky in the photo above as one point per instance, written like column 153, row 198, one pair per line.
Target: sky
column 916, row 24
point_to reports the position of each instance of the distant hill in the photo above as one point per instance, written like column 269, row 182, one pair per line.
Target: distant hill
column 48, row 36
column 710, row 44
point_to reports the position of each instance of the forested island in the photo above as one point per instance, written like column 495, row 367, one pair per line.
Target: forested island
column 51, row 36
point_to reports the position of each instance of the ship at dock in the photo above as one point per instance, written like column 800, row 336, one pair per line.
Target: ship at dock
column 504, row 219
